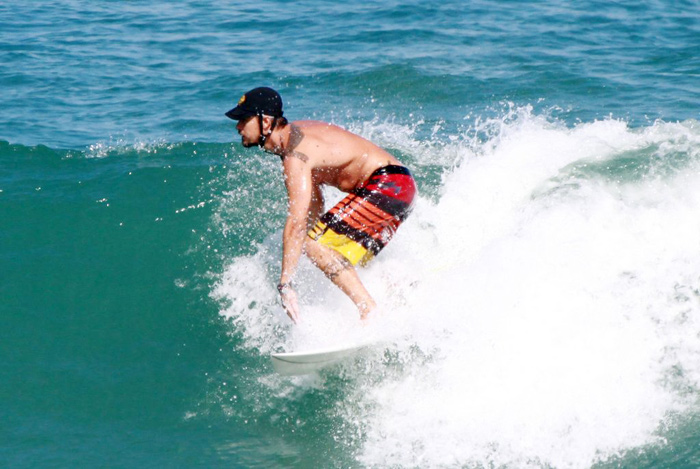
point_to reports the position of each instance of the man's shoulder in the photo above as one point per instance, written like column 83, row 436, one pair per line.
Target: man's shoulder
column 321, row 132
column 312, row 124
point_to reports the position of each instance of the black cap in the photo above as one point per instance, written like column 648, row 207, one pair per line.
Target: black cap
column 258, row 101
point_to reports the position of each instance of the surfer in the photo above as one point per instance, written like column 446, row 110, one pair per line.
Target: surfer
column 380, row 194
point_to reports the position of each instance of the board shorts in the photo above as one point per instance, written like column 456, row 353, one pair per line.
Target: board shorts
column 361, row 224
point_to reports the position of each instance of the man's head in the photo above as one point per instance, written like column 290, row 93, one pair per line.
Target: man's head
column 258, row 108
column 255, row 102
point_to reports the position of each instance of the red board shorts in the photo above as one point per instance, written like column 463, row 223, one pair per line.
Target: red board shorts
column 361, row 224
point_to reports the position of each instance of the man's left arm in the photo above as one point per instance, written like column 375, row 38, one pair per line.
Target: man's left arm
column 300, row 191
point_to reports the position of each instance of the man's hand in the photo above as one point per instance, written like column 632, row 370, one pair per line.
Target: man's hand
column 289, row 301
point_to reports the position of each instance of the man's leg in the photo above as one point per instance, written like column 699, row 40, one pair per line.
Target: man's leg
column 342, row 273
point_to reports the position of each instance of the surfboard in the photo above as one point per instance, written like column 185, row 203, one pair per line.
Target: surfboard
column 309, row 361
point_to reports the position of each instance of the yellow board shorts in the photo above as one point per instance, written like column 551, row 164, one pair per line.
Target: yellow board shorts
column 361, row 224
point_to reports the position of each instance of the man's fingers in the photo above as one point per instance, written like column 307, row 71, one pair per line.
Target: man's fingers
column 290, row 304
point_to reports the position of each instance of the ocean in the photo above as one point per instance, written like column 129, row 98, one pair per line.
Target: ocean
column 540, row 307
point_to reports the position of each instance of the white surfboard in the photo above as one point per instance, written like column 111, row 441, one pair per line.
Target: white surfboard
column 308, row 361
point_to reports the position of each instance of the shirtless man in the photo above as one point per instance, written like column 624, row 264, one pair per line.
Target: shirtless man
column 380, row 194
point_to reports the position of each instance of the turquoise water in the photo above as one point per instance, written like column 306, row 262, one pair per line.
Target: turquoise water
column 541, row 304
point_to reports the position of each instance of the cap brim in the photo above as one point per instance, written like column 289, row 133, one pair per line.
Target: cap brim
column 237, row 113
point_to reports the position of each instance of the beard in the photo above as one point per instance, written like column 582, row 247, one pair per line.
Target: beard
column 249, row 144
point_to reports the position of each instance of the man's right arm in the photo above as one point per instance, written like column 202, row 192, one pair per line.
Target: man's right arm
column 316, row 207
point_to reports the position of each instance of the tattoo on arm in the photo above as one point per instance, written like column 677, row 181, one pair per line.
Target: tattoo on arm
column 298, row 154
column 295, row 138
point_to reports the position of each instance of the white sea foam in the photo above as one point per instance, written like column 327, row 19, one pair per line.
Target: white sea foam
column 553, row 304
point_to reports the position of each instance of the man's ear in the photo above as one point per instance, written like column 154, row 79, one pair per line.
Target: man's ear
column 267, row 123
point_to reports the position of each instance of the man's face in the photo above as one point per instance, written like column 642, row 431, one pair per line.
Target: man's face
column 249, row 129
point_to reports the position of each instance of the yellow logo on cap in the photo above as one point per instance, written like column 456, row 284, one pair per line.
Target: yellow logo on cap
column 242, row 100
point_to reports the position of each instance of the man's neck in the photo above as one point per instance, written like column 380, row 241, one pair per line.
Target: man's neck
column 284, row 140
column 277, row 141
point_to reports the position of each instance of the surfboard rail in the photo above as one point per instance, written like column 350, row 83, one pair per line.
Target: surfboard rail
column 308, row 361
